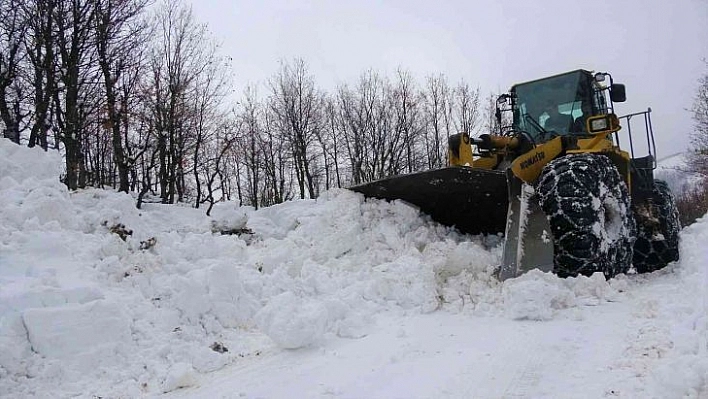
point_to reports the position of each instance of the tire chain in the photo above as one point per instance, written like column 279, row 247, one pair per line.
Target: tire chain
column 574, row 191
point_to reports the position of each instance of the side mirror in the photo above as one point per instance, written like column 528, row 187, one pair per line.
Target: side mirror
column 617, row 93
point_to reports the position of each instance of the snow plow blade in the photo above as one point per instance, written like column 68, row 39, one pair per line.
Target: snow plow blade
column 528, row 242
column 472, row 200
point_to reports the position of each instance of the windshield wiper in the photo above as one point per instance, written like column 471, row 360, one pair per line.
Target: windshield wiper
column 535, row 124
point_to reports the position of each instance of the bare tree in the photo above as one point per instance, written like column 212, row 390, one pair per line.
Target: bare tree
column 75, row 100
column 349, row 124
column 467, row 108
column 436, row 100
column 120, row 39
column 297, row 107
column 698, row 157
column 146, row 174
column 181, row 53
column 329, row 141
column 211, row 87
column 381, row 125
column 362, row 113
column 213, row 165
column 251, row 144
column 39, row 42
column 402, row 152
column 278, row 185
column 13, row 27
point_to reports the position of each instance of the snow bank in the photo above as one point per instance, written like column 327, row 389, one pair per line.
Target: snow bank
column 134, row 301
column 682, row 341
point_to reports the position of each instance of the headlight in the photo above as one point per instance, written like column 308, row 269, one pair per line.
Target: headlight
column 598, row 125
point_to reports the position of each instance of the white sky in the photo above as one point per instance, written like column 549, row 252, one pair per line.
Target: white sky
column 655, row 47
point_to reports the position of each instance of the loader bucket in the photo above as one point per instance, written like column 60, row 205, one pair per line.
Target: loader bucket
column 472, row 200
column 528, row 242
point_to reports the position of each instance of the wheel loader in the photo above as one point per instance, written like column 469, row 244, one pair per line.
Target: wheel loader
column 555, row 181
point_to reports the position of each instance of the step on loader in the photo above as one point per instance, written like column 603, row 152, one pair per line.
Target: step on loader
column 555, row 181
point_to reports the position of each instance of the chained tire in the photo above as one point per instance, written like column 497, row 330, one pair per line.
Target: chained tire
column 658, row 228
column 589, row 211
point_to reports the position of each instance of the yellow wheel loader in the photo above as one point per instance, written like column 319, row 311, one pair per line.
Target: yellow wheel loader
column 555, row 181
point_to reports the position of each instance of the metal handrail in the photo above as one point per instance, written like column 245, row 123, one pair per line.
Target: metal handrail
column 651, row 143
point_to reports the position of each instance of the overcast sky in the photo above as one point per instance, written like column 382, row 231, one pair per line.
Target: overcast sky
column 655, row 47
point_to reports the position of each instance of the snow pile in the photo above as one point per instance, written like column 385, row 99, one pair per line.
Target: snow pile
column 539, row 296
column 98, row 296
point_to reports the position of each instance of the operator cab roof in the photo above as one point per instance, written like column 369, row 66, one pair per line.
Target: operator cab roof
column 583, row 71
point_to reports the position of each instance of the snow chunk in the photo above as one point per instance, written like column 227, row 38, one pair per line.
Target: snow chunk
column 45, row 164
column 228, row 216
column 467, row 256
column 595, row 289
column 538, row 296
column 14, row 347
column 62, row 332
column 535, row 296
column 232, row 303
column 293, row 322
column 180, row 375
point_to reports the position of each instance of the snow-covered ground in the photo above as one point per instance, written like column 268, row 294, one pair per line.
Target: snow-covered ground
column 333, row 298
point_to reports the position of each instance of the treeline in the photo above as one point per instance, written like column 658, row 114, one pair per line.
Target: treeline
column 140, row 99
column 693, row 201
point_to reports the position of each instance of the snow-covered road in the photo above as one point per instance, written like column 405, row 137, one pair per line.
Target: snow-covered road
column 623, row 349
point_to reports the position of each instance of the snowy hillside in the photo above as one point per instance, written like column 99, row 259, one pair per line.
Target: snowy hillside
column 673, row 170
column 333, row 298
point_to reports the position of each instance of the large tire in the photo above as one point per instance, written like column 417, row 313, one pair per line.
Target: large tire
column 658, row 229
column 589, row 211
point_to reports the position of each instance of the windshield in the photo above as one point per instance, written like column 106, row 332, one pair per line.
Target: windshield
column 557, row 105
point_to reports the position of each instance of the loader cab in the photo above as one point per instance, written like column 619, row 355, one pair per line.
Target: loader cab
column 559, row 105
